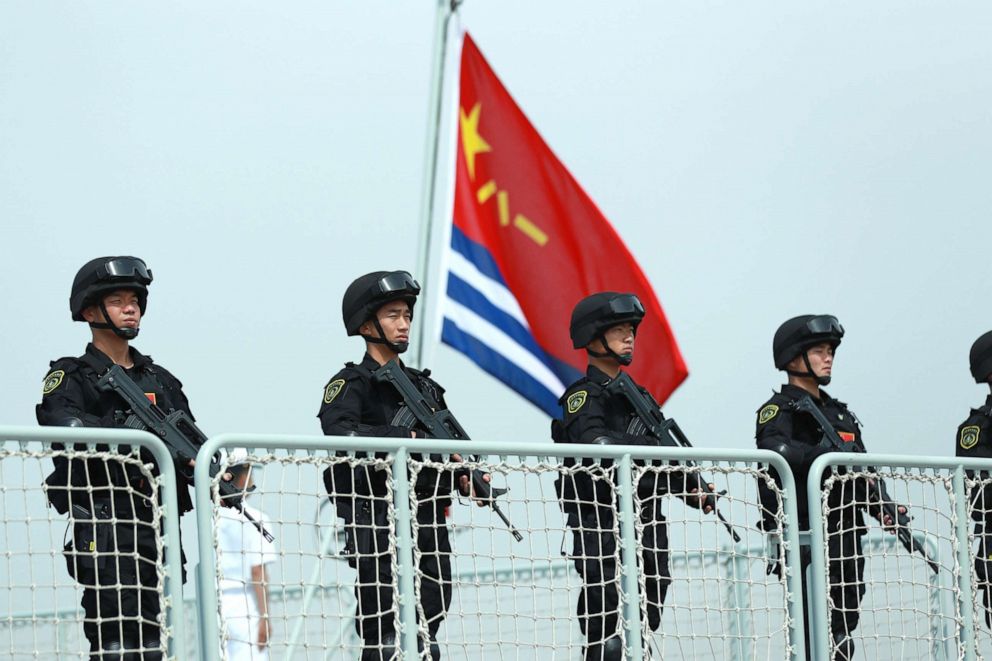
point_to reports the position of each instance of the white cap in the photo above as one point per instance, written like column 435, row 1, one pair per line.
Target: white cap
column 238, row 457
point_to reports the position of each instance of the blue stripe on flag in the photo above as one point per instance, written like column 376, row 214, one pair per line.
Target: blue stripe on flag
column 501, row 368
column 477, row 254
column 473, row 299
column 477, row 348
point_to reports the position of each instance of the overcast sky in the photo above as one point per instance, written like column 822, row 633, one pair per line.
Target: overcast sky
column 761, row 159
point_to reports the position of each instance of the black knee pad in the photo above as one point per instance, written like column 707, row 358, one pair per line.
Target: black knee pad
column 153, row 650
column 384, row 651
column 110, row 650
column 610, row 649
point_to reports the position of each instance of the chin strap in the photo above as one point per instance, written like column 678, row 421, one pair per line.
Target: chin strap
column 822, row 380
column 123, row 333
column 623, row 359
column 397, row 347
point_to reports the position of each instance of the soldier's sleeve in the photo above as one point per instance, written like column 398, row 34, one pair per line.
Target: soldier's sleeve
column 62, row 405
column 971, row 438
column 63, row 400
column 972, row 442
column 341, row 409
column 584, row 419
column 774, row 432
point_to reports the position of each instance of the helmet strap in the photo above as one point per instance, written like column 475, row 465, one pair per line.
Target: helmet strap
column 395, row 347
column 809, row 373
column 623, row 359
column 123, row 333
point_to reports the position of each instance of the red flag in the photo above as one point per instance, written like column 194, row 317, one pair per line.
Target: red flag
column 550, row 243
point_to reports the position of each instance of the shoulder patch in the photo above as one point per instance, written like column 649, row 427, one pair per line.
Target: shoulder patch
column 767, row 413
column 576, row 400
column 52, row 381
column 332, row 390
column 969, row 436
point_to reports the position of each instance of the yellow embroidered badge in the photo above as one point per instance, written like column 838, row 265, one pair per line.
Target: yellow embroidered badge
column 52, row 381
column 969, row 436
column 332, row 390
column 767, row 413
column 575, row 401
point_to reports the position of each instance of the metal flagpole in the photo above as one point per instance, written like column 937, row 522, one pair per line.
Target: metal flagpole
column 445, row 9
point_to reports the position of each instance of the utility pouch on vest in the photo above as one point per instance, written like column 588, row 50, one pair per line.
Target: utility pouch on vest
column 57, row 490
column 87, row 553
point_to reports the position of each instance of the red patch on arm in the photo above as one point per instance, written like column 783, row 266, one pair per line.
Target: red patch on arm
column 846, row 436
column 151, row 398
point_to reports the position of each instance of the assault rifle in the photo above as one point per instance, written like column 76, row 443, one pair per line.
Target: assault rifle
column 878, row 494
column 179, row 433
column 650, row 421
column 420, row 408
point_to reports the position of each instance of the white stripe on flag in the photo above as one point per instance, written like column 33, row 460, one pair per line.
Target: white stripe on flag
column 502, row 344
column 494, row 291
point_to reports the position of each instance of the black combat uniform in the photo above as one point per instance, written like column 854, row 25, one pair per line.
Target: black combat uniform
column 354, row 405
column 592, row 415
column 798, row 438
column 103, row 555
column 974, row 440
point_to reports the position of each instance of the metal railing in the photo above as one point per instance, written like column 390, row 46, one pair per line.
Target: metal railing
column 935, row 492
column 403, row 454
column 23, row 501
column 907, row 612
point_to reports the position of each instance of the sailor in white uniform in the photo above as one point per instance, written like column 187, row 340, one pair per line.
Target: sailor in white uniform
column 243, row 554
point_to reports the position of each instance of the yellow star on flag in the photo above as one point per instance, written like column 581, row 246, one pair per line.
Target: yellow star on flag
column 472, row 142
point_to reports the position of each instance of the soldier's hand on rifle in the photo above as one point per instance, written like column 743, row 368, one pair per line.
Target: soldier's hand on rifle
column 703, row 500
column 888, row 524
column 465, row 482
column 878, row 511
column 227, row 477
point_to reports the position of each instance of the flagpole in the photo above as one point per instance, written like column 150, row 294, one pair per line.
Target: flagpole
column 445, row 9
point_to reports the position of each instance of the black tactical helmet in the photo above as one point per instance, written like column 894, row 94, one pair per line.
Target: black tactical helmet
column 370, row 292
column 981, row 358
column 798, row 334
column 103, row 275
column 596, row 314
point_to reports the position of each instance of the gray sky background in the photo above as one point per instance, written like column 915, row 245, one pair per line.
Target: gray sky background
column 761, row 160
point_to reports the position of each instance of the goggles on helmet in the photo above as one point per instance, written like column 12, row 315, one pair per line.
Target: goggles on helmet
column 397, row 281
column 622, row 305
column 125, row 267
column 626, row 304
column 825, row 324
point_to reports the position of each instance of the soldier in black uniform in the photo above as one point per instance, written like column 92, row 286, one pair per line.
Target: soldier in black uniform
column 804, row 348
column 121, row 623
column 974, row 439
column 378, row 306
column 605, row 325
